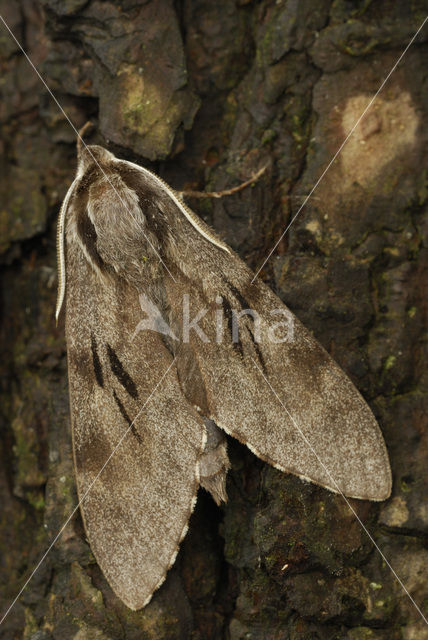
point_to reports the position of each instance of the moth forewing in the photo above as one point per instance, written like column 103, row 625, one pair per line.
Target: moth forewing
column 289, row 402
column 136, row 510
column 139, row 445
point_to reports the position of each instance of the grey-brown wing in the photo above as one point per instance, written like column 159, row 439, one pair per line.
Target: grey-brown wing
column 136, row 511
column 288, row 401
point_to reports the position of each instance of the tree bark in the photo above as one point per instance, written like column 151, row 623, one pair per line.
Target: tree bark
column 206, row 93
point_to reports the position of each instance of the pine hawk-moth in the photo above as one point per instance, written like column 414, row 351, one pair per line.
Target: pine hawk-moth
column 133, row 260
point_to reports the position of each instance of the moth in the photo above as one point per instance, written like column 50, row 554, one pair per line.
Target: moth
column 153, row 393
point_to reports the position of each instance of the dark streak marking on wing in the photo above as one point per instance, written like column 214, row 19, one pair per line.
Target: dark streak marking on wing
column 149, row 199
column 121, row 374
column 98, row 370
column 257, row 350
column 88, row 236
column 229, row 315
column 127, row 418
column 238, row 295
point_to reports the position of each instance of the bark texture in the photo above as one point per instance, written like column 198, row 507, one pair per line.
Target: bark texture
column 205, row 93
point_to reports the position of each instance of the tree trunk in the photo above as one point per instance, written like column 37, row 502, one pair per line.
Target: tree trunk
column 205, row 93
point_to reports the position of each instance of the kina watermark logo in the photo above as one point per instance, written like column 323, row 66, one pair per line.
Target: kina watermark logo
column 218, row 323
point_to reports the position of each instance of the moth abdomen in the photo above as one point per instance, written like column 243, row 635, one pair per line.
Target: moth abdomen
column 214, row 463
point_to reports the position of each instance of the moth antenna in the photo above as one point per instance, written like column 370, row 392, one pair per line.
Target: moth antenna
column 61, row 226
column 80, row 142
column 200, row 226
column 61, row 250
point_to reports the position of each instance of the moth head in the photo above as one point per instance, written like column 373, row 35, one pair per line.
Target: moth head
column 89, row 155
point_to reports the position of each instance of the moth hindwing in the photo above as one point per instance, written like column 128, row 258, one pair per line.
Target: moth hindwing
column 153, row 396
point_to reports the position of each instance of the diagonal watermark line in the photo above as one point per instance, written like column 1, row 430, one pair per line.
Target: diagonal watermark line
column 339, row 491
column 130, row 426
column 339, row 149
column 82, row 141
column 42, row 559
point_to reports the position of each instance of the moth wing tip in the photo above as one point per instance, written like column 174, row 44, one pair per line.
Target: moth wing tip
column 383, row 483
column 385, row 492
column 380, row 493
column 136, row 605
column 134, row 601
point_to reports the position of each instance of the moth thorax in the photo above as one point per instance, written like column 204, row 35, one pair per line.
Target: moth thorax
column 124, row 238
